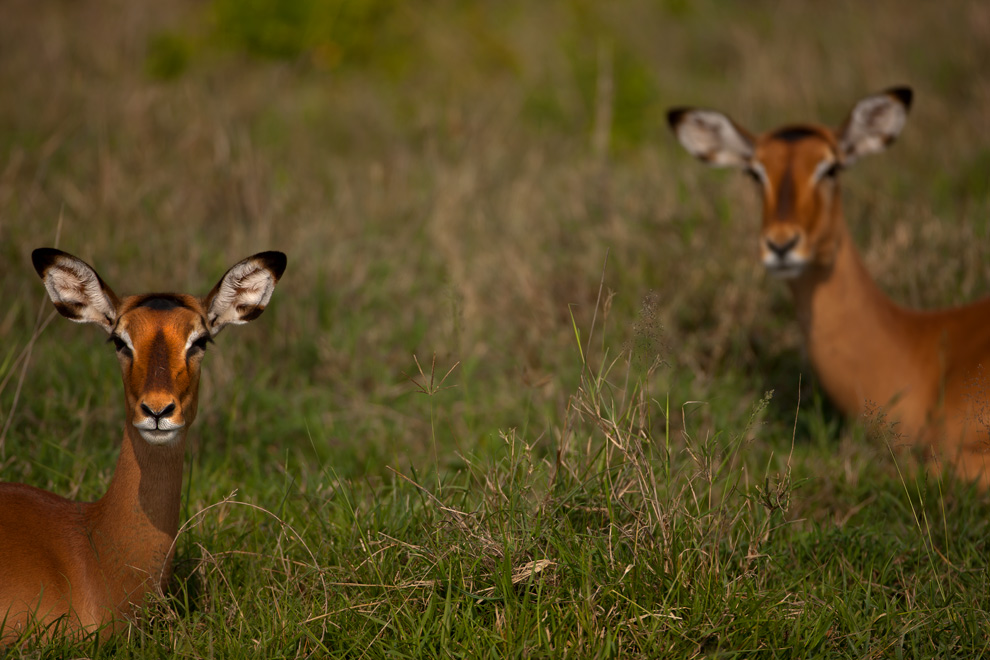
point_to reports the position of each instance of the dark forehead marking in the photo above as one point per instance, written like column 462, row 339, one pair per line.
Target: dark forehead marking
column 794, row 133
column 786, row 195
column 161, row 302
column 159, row 370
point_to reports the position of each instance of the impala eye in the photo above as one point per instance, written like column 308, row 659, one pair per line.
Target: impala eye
column 756, row 173
column 199, row 346
column 828, row 170
column 121, row 346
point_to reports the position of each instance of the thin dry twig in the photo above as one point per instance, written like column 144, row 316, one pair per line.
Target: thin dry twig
column 26, row 352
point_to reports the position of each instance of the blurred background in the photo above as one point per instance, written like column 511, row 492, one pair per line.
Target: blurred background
column 474, row 183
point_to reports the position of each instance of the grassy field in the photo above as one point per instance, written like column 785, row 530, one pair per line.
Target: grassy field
column 524, row 390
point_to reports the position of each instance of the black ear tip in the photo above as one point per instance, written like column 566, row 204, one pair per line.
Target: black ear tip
column 44, row 257
column 274, row 261
column 904, row 94
column 675, row 115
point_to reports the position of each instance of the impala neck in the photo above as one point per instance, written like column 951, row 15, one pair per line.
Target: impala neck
column 849, row 324
column 135, row 523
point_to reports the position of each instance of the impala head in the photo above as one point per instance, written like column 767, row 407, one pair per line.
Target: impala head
column 796, row 168
column 160, row 338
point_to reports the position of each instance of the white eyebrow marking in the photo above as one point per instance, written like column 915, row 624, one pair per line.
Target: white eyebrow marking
column 194, row 337
column 126, row 338
column 760, row 172
column 822, row 168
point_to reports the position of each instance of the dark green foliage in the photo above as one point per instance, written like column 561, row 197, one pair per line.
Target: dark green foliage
column 329, row 33
column 168, row 56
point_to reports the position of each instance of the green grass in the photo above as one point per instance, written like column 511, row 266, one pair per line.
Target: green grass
column 511, row 397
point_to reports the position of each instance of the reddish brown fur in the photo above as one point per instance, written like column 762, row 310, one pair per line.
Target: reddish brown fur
column 75, row 567
column 922, row 368
column 868, row 351
column 104, row 555
column 798, row 209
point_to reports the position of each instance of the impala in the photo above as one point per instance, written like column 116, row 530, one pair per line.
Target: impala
column 922, row 368
column 80, row 566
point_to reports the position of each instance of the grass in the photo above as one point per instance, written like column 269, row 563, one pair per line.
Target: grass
column 511, row 398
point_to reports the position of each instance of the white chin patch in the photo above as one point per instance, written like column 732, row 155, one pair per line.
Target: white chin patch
column 160, row 437
column 784, row 270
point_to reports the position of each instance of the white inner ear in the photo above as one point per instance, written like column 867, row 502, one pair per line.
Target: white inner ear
column 712, row 137
column 72, row 283
column 244, row 288
column 872, row 125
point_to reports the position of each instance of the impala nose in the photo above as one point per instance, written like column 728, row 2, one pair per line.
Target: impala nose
column 780, row 250
column 158, row 415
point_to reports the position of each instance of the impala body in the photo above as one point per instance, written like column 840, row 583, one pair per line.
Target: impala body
column 74, row 567
column 922, row 369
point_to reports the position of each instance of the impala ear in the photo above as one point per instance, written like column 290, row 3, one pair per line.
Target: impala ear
column 874, row 123
column 76, row 290
column 712, row 137
column 243, row 292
